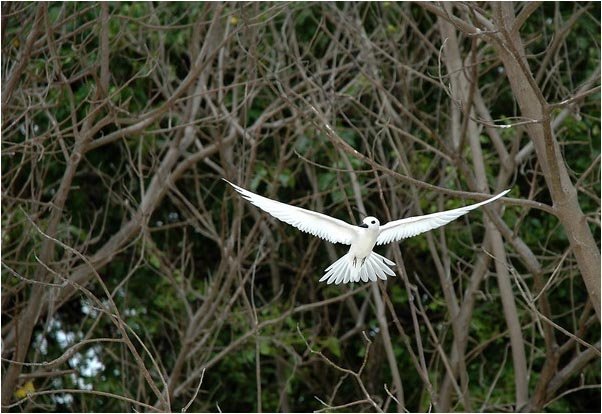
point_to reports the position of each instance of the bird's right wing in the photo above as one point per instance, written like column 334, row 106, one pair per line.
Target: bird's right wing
column 320, row 225
column 412, row 226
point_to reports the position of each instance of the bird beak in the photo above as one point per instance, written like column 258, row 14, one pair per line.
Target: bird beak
column 364, row 225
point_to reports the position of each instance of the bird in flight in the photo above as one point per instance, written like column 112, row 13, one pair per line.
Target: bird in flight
column 360, row 263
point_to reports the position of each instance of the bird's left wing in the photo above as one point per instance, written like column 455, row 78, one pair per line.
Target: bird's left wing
column 320, row 225
column 412, row 226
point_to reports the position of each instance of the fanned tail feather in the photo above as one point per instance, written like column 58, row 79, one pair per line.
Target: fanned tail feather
column 345, row 270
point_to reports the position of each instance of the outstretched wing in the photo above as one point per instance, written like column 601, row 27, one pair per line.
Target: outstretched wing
column 412, row 226
column 320, row 225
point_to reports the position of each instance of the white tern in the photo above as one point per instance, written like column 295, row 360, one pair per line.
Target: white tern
column 360, row 262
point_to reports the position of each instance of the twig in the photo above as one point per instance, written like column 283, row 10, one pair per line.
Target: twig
column 196, row 392
column 356, row 375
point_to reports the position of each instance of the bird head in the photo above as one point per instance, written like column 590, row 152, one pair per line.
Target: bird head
column 370, row 223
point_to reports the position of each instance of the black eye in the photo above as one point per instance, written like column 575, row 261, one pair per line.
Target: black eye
column 373, row 221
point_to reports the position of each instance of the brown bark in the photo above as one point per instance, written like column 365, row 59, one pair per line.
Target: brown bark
column 534, row 107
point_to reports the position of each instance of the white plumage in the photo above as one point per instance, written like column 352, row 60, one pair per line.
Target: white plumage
column 360, row 263
column 412, row 226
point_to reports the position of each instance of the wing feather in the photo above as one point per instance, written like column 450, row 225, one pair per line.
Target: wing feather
column 412, row 226
column 316, row 224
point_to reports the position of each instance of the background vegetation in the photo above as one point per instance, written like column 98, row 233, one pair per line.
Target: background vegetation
column 135, row 279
